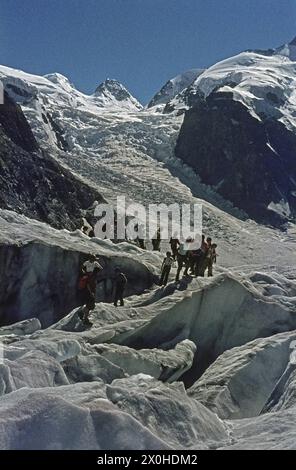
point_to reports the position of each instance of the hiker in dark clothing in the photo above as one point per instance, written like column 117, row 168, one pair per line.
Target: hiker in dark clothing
column 87, row 299
column 212, row 258
column 166, row 268
column 141, row 236
column 198, row 256
column 208, row 256
column 156, row 241
column 141, row 243
column 119, row 286
column 191, row 260
column 174, row 243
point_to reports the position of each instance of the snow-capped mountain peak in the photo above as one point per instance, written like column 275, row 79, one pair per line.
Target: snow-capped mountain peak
column 288, row 50
column 174, row 86
column 112, row 92
column 60, row 80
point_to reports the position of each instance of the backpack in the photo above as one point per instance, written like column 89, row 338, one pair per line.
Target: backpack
column 121, row 281
column 83, row 281
column 168, row 262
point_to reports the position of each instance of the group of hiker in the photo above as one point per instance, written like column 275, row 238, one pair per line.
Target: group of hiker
column 195, row 261
column 189, row 255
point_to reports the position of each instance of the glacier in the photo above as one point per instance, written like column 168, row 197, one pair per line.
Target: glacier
column 206, row 363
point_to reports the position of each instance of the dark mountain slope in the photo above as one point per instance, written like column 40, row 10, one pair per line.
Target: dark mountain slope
column 250, row 162
column 33, row 183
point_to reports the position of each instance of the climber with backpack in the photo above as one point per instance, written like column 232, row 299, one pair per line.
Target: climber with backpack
column 90, row 264
column 183, row 257
column 87, row 287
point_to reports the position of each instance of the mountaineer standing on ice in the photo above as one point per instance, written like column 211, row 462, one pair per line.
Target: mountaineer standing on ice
column 182, row 258
column 156, row 241
column 198, row 256
column 209, row 259
column 212, row 257
column 166, row 268
column 174, row 243
column 141, row 236
column 120, row 282
column 87, row 287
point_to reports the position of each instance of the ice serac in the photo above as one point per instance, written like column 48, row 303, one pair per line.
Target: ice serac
column 241, row 381
column 24, row 327
column 167, row 366
column 216, row 316
column 272, row 431
column 72, row 422
column 87, row 381
column 113, row 93
column 174, row 86
column 168, row 412
column 34, row 369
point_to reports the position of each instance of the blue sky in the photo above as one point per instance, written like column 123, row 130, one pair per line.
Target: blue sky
column 142, row 43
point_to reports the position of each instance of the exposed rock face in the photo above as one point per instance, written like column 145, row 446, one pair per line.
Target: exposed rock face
column 33, row 183
column 248, row 161
column 15, row 125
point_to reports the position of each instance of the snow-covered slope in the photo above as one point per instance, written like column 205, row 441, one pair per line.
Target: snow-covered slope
column 174, row 86
column 107, row 145
column 241, row 123
column 264, row 84
column 120, row 151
